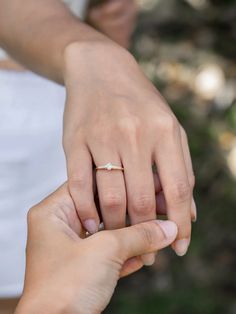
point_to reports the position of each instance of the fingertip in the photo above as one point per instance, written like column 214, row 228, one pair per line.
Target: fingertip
column 181, row 246
column 91, row 226
column 148, row 259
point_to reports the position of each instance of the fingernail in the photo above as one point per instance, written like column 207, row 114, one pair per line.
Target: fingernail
column 194, row 210
column 148, row 259
column 169, row 228
column 181, row 246
column 91, row 226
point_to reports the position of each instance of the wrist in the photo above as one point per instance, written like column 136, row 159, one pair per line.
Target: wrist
column 78, row 56
column 45, row 302
column 37, row 304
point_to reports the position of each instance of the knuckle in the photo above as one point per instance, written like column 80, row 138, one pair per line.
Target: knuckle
column 101, row 132
column 192, row 180
column 180, row 192
column 130, row 126
column 104, row 138
column 84, row 208
column 33, row 214
column 147, row 234
column 183, row 133
column 68, row 138
column 108, row 239
column 168, row 123
column 77, row 181
column 143, row 204
column 112, row 200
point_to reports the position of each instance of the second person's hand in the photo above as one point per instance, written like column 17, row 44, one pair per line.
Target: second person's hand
column 68, row 273
column 116, row 19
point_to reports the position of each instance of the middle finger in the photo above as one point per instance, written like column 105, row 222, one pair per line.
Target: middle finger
column 140, row 189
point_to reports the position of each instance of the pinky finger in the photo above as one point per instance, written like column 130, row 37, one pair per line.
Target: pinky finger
column 161, row 206
column 190, row 172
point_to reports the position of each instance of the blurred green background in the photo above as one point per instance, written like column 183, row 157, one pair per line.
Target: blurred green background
column 188, row 49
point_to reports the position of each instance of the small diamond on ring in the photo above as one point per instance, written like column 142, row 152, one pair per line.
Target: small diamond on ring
column 109, row 166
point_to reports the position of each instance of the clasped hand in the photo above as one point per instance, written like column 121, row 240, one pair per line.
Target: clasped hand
column 67, row 272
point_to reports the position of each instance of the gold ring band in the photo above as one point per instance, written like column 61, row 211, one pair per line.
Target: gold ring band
column 110, row 167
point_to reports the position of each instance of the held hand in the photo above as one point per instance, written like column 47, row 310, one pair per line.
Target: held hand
column 116, row 19
column 114, row 114
column 67, row 273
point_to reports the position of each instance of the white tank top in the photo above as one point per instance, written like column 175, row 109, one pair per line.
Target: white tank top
column 78, row 7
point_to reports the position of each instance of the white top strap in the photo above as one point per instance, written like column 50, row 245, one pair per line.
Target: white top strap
column 3, row 55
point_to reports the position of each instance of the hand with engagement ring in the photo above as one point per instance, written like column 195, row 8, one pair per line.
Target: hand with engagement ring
column 117, row 116
column 113, row 113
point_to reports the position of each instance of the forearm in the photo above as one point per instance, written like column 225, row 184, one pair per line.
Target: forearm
column 36, row 34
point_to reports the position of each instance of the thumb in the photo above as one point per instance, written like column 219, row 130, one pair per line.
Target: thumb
column 146, row 237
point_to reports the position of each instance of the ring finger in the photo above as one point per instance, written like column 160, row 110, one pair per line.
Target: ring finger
column 111, row 189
